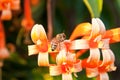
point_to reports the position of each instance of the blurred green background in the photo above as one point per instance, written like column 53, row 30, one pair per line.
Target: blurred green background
column 66, row 15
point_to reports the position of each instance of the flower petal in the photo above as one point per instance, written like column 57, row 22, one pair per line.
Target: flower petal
column 104, row 44
column 94, row 57
column 43, row 59
column 113, row 35
column 71, row 57
column 38, row 33
column 77, row 66
column 32, row 49
column 108, row 57
column 101, row 26
column 79, row 44
column 61, row 57
column 111, row 67
column 95, row 28
column 103, row 76
column 55, row 70
column 91, row 72
column 67, row 76
column 81, row 30
column 15, row 4
column 6, row 15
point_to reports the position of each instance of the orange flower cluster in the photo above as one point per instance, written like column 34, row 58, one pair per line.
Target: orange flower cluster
column 27, row 21
column 94, row 38
column 6, row 7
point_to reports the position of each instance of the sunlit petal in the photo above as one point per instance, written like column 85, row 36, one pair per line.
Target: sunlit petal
column 92, row 72
column 101, row 26
column 79, row 44
column 38, row 33
column 104, row 44
column 94, row 57
column 32, row 49
column 61, row 57
column 55, row 70
column 43, row 59
column 71, row 57
column 108, row 56
column 81, row 30
column 95, row 28
column 103, row 76
column 67, row 76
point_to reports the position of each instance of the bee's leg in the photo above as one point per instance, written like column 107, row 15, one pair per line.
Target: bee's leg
column 61, row 46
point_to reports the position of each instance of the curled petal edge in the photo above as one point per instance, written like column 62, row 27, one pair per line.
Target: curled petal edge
column 55, row 70
column 61, row 57
column 67, row 76
column 43, row 59
column 103, row 76
column 91, row 72
column 79, row 44
column 38, row 33
column 81, row 30
column 77, row 66
column 102, row 26
column 32, row 49
column 94, row 57
column 108, row 57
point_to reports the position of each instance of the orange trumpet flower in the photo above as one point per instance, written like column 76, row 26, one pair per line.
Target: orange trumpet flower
column 39, row 37
column 94, row 37
column 15, row 4
column 66, row 64
column 6, row 6
column 96, row 40
column 27, row 21
column 100, row 72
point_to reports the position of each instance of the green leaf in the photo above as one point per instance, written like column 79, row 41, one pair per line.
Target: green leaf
column 94, row 7
column 117, row 4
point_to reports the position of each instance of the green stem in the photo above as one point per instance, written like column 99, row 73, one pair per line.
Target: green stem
column 19, row 37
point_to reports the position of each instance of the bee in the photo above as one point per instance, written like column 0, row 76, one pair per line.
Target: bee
column 55, row 43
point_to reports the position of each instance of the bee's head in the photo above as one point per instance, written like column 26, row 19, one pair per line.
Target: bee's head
column 61, row 37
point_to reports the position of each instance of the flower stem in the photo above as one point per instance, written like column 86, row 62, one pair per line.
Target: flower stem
column 50, row 19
